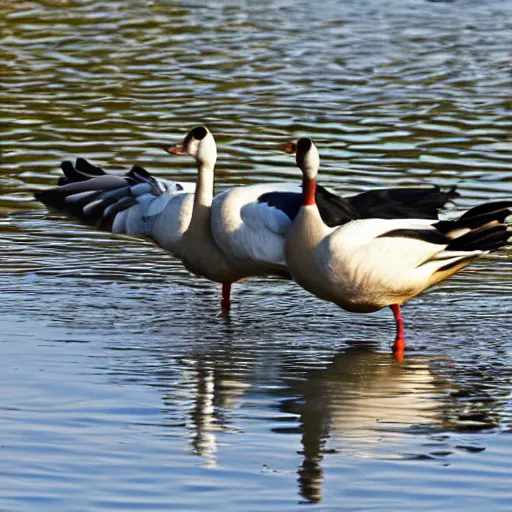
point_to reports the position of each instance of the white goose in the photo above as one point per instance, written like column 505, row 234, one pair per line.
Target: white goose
column 137, row 204
column 368, row 264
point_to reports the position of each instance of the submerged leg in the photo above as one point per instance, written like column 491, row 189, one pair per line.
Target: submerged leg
column 399, row 344
column 226, row 296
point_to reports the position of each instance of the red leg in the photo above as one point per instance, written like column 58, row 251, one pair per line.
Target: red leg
column 226, row 296
column 399, row 345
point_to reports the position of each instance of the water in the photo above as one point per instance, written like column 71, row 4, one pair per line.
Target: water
column 123, row 386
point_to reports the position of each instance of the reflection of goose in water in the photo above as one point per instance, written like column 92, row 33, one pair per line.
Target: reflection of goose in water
column 216, row 375
column 359, row 395
column 215, row 393
column 358, row 401
column 365, row 403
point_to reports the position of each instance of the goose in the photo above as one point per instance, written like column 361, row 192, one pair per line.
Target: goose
column 138, row 204
column 248, row 224
column 368, row 264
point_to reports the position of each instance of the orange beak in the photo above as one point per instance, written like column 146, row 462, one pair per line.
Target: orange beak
column 178, row 149
column 288, row 147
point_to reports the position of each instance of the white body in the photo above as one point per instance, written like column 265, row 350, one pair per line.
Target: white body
column 250, row 234
column 163, row 217
column 354, row 268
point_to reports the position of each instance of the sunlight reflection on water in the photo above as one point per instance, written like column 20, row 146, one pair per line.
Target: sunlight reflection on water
column 124, row 386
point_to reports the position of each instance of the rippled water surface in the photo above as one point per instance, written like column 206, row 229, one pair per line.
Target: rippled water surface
column 123, row 387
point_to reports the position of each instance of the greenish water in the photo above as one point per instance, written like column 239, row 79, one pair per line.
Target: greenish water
column 123, row 388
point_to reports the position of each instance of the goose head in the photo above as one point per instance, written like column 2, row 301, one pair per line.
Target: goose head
column 198, row 143
column 306, row 156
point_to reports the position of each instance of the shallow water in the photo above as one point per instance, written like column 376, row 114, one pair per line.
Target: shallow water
column 124, row 388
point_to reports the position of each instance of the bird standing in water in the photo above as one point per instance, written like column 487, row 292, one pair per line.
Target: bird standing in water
column 367, row 264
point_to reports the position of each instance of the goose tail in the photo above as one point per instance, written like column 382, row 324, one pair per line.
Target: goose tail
column 92, row 196
column 483, row 228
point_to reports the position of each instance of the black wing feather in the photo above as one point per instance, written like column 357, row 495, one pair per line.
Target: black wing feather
column 395, row 203
column 425, row 235
column 402, row 203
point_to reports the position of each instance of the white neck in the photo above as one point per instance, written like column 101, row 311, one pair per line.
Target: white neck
column 205, row 184
column 200, row 253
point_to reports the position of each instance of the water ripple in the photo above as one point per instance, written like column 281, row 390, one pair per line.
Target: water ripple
column 140, row 393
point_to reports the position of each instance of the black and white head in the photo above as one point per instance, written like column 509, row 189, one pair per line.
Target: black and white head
column 200, row 144
column 306, row 156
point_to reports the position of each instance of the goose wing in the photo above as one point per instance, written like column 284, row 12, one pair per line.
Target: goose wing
column 391, row 203
column 411, row 254
column 135, row 203
column 403, row 202
column 83, row 170
column 250, row 224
